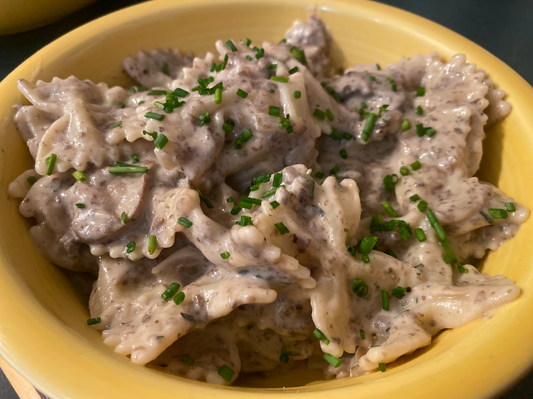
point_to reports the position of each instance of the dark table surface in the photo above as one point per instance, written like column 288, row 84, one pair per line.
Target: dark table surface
column 503, row 27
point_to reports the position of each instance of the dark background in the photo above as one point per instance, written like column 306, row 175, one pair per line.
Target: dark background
column 503, row 27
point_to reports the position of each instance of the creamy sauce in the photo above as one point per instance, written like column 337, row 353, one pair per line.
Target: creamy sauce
column 253, row 290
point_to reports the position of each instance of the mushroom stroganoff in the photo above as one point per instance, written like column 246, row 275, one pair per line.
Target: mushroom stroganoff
column 249, row 211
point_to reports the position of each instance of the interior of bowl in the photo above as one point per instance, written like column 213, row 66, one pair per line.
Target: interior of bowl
column 43, row 332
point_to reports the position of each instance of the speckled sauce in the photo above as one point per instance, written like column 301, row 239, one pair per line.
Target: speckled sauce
column 292, row 211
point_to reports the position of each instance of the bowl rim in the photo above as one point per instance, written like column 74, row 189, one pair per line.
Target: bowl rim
column 513, row 368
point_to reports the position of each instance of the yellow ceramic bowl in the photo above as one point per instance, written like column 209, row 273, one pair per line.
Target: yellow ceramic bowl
column 43, row 330
column 20, row 15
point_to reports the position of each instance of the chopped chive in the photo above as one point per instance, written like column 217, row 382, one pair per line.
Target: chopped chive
column 245, row 221
column 359, row 288
column 319, row 175
column 274, row 111
column 367, row 245
column 334, row 170
column 299, row 55
column 50, row 161
column 80, row 205
column 336, row 135
column 430, row 132
column 372, row 78
column 260, row 53
column 79, row 176
column 420, row 131
column 436, row 225
column 130, row 247
column 212, row 67
column 414, row 197
column 404, row 171
column 320, row 335
column 121, row 105
column 393, row 87
column 406, row 125
column 420, row 91
column 180, row 92
column 420, row 234
column 343, row 154
column 378, row 67
column 32, row 180
column 319, row 114
column 351, row 250
column 204, row 199
column 389, row 209
column 369, row 125
column 127, row 169
column 510, row 206
column 448, row 250
column 334, row 361
column 225, row 255
column 416, row 165
column 159, row 105
column 204, row 118
column 178, row 299
column 280, row 79
column 398, row 292
column 218, row 96
column 124, row 218
column 276, row 182
column 236, row 209
column 274, row 204
column 362, row 334
column 498, row 213
column 384, row 300
column 187, row 360
column 329, row 115
column 262, row 179
column 249, row 58
column 161, row 141
column 243, row 138
column 153, row 115
column 165, row 69
column 382, row 109
column 141, row 102
column 389, row 79
column 419, row 110
column 271, row 91
column 134, row 158
column 229, row 199
column 447, row 259
column 365, row 258
column 185, row 222
column 170, row 291
column 242, row 93
column 157, row 92
column 255, row 201
column 293, row 70
column 462, row 269
column 226, row 372
column 487, row 217
column 272, row 66
column 422, row 206
column 231, row 46
column 152, row 244
column 382, row 367
column 282, row 41
column 247, row 42
column 187, row 317
column 297, row 94
column 281, row 228
column 93, row 321
column 389, row 181
column 405, row 233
